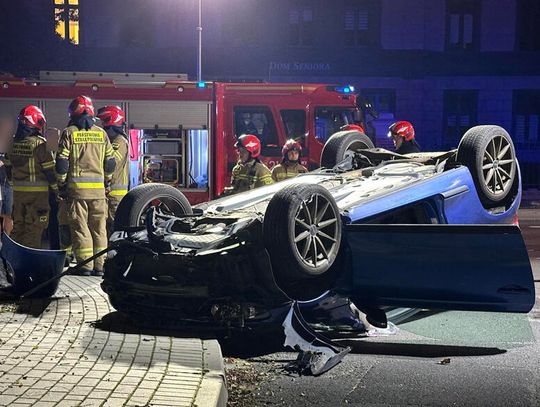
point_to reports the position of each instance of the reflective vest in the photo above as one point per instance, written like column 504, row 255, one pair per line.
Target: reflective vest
column 286, row 170
column 32, row 165
column 87, row 152
column 246, row 176
column 120, row 176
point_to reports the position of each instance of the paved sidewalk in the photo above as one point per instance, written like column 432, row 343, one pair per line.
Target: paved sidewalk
column 75, row 351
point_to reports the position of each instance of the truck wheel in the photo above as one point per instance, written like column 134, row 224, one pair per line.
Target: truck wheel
column 302, row 231
column 489, row 154
column 343, row 144
column 132, row 208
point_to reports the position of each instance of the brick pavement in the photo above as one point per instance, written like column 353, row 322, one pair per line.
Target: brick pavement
column 71, row 351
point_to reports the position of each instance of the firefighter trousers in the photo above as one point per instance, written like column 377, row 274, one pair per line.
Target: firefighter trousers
column 87, row 219
column 112, row 201
column 30, row 217
column 64, row 229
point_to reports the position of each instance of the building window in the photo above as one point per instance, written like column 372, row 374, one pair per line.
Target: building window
column 301, row 25
column 381, row 100
column 361, row 26
column 525, row 118
column 460, row 107
column 66, row 18
column 462, row 19
column 528, row 27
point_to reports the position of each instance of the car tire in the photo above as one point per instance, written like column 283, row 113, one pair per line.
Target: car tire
column 342, row 144
column 302, row 245
column 489, row 154
column 133, row 206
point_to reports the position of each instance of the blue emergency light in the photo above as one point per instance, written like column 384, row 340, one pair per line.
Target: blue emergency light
column 201, row 85
column 347, row 89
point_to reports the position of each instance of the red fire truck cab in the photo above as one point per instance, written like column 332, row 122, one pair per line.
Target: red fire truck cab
column 182, row 133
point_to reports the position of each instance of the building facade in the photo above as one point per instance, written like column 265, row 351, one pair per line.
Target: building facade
column 444, row 65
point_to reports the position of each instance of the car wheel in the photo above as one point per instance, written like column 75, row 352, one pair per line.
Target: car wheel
column 302, row 231
column 132, row 208
column 489, row 154
column 343, row 144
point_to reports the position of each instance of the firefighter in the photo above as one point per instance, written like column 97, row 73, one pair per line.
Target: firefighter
column 31, row 169
column 84, row 163
column 113, row 120
column 402, row 134
column 249, row 172
column 290, row 166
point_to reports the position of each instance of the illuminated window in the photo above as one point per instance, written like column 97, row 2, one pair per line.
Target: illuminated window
column 66, row 17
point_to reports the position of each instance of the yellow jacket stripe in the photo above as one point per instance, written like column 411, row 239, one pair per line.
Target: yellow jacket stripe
column 86, row 185
column 31, row 189
column 118, row 192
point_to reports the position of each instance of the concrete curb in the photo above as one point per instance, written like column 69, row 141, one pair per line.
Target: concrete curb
column 214, row 381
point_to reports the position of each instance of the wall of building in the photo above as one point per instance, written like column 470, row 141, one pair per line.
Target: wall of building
column 408, row 56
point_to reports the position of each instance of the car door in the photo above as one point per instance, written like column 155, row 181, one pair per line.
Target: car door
column 462, row 267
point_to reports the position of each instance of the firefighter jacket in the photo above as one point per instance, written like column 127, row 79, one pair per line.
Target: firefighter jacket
column 30, row 166
column 84, row 162
column 287, row 170
column 246, row 176
column 120, row 177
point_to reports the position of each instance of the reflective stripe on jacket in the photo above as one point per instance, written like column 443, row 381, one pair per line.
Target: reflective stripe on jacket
column 252, row 174
column 287, row 170
column 32, row 166
column 120, row 176
column 87, row 152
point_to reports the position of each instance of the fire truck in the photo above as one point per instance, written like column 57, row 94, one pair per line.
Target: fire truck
column 182, row 132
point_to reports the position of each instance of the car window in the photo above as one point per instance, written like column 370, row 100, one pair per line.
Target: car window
column 328, row 120
column 294, row 122
column 420, row 213
column 257, row 120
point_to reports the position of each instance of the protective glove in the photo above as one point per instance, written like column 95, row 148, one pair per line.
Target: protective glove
column 62, row 192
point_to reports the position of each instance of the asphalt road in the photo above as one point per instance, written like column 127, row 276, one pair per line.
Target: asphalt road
column 445, row 359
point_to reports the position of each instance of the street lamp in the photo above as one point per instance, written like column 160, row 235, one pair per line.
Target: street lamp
column 199, row 48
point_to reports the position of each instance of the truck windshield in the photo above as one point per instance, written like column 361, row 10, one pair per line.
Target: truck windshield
column 328, row 121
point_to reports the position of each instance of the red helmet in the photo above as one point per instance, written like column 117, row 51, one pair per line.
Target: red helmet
column 79, row 105
column 291, row 145
column 111, row 116
column 403, row 129
column 351, row 127
column 251, row 143
column 32, row 116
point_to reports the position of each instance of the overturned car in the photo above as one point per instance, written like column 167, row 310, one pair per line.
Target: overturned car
column 370, row 228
